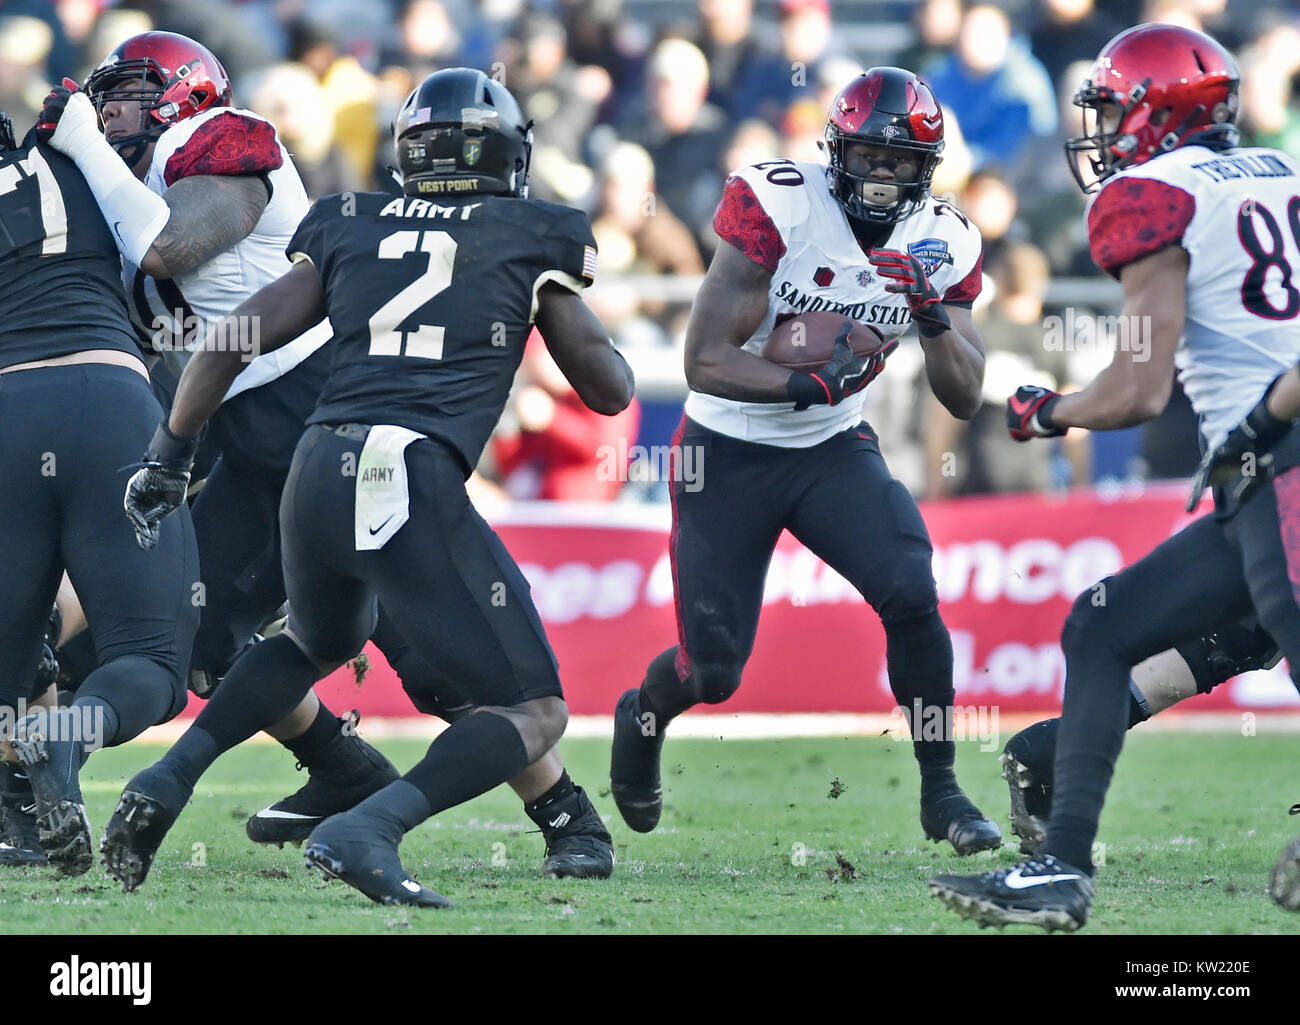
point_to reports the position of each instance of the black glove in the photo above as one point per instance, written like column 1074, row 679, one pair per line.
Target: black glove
column 7, row 140
column 158, row 487
column 922, row 297
column 1242, row 463
column 845, row 374
column 55, row 103
column 1029, row 413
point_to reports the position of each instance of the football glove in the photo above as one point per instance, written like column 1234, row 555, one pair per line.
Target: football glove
column 1241, row 463
column 68, row 121
column 1029, row 413
column 922, row 297
column 845, row 374
column 158, row 487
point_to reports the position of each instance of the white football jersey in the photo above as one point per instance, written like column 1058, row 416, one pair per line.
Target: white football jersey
column 1237, row 213
column 782, row 215
column 225, row 140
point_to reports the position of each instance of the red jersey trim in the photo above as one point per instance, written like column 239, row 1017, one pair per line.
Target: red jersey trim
column 741, row 220
column 965, row 290
column 226, row 144
column 1135, row 217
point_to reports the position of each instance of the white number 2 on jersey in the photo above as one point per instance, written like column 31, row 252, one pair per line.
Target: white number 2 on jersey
column 425, row 341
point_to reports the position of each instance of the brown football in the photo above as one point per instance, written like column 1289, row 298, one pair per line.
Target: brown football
column 805, row 342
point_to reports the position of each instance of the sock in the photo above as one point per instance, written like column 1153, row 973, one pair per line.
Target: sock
column 394, row 811
column 919, row 658
column 469, row 758
column 663, row 694
column 563, row 788
column 132, row 693
column 1093, row 723
column 101, row 725
column 308, row 744
column 264, row 686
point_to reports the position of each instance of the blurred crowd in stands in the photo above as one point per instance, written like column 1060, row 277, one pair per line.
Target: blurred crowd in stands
column 641, row 109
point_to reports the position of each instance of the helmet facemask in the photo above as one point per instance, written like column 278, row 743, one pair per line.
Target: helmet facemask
column 873, row 202
column 7, row 140
column 138, row 81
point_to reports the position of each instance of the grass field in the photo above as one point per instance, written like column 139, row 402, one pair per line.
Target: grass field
column 1192, row 829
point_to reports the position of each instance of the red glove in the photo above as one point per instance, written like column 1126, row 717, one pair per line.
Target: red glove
column 923, row 298
column 1029, row 413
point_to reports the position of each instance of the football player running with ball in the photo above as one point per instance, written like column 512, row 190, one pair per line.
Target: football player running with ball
column 1202, row 236
column 789, row 450
column 375, row 507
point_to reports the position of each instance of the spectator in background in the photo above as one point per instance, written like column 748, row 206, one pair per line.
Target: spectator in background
column 1268, row 69
column 998, row 90
column 991, row 201
column 562, row 101
column 343, row 149
column 1071, row 30
column 24, row 45
column 806, row 42
column 748, row 77
column 937, row 23
column 980, row 457
column 290, row 96
column 683, row 134
column 636, row 232
column 600, row 36
column 551, row 446
column 802, row 130
column 751, row 142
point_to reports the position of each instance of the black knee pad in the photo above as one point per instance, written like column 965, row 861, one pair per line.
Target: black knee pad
column 1086, row 623
column 912, row 592
column 714, row 682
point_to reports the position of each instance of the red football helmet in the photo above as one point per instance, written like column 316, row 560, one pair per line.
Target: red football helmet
column 886, row 107
column 170, row 75
column 1153, row 89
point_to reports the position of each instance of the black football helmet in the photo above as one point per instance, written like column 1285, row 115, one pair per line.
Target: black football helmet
column 462, row 132
column 7, row 132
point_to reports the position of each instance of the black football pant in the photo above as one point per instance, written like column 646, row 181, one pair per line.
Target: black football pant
column 72, row 437
column 1208, row 575
column 839, row 499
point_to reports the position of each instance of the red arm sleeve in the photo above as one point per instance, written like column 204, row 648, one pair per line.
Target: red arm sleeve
column 1135, row 217
column 226, row 144
column 741, row 220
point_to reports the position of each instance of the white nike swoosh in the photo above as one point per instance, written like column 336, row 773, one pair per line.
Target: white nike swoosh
column 273, row 813
column 1016, row 881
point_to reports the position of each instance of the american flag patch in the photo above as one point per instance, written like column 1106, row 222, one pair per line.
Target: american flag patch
column 589, row 263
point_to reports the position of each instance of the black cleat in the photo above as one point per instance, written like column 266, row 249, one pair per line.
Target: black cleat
column 51, row 758
column 1046, row 892
column 578, row 846
column 1031, row 804
column 954, row 818
column 20, row 843
column 355, row 848
column 345, row 773
column 634, row 766
column 149, row 806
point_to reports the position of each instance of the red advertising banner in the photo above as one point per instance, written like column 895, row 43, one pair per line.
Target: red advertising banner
column 1008, row 569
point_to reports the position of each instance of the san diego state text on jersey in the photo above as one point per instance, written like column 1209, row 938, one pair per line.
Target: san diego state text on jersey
column 60, row 276
column 431, row 304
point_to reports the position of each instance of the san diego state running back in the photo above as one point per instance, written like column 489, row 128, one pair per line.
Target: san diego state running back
column 789, row 450
column 432, row 296
column 1203, row 237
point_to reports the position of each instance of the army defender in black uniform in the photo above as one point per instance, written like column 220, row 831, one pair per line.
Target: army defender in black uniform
column 76, row 410
column 431, row 296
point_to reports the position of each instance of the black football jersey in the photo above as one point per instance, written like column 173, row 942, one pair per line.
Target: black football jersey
column 431, row 304
column 60, row 273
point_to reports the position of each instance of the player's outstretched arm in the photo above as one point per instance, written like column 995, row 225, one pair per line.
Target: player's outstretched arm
column 264, row 322
column 581, row 348
column 728, row 309
column 1135, row 387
